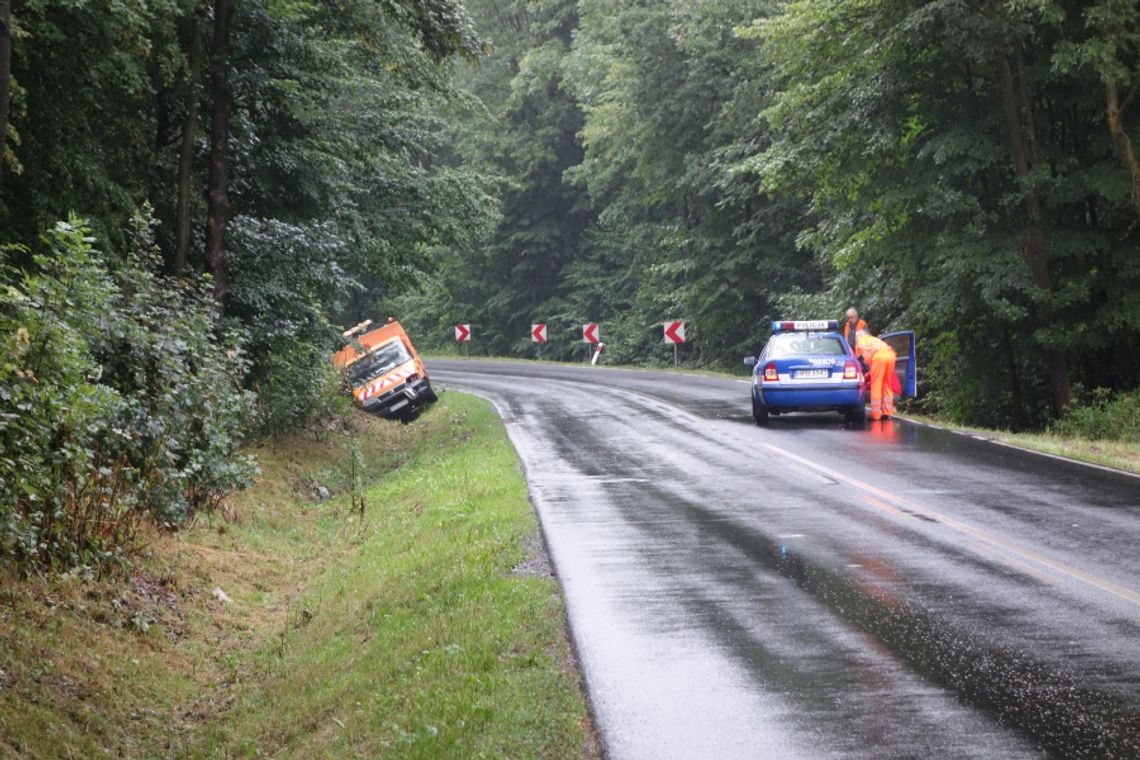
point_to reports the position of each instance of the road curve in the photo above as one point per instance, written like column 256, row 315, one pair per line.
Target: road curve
column 811, row 591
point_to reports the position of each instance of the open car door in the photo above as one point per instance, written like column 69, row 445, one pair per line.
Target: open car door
column 906, row 367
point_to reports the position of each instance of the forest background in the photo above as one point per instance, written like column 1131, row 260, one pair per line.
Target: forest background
column 195, row 197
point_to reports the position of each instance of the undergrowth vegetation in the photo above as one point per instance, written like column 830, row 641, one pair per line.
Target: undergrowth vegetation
column 121, row 399
column 1104, row 416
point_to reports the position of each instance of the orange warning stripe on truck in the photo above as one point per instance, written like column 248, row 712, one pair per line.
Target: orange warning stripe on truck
column 392, row 378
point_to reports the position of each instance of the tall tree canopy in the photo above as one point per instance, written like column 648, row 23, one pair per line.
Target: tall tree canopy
column 291, row 149
column 964, row 168
column 234, row 174
column 966, row 184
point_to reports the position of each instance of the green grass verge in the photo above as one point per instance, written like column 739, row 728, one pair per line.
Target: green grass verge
column 1119, row 455
column 404, row 632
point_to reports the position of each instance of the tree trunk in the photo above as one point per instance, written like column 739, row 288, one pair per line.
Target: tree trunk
column 1121, row 139
column 5, row 75
column 217, row 200
column 1019, row 122
column 1016, row 396
column 186, row 150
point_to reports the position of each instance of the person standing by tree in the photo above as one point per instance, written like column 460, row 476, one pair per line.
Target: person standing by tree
column 852, row 326
column 880, row 357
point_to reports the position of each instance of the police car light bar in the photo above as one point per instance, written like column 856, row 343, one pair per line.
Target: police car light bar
column 802, row 325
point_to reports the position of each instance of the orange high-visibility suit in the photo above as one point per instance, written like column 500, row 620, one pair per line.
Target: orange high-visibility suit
column 849, row 334
column 881, row 359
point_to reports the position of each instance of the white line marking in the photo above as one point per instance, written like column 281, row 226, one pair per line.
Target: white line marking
column 1009, row 445
column 1055, row 566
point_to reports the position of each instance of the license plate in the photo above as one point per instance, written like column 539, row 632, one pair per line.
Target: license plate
column 809, row 373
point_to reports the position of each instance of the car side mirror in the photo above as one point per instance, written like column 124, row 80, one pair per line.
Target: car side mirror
column 750, row 361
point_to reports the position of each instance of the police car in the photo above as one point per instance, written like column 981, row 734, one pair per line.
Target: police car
column 807, row 366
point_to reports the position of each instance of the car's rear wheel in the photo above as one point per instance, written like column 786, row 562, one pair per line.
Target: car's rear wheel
column 759, row 413
column 856, row 416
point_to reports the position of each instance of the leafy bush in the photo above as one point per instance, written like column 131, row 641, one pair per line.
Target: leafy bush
column 120, row 398
column 960, row 380
column 1104, row 416
column 59, row 473
column 281, row 277
column 298, row 385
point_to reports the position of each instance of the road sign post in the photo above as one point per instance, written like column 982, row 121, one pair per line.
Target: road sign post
column 597, row 352
column 538, row 337
column 591, row 333
column 675, row 334
column 463, row 336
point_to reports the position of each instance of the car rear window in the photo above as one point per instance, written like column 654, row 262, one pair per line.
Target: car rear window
column 792, row 344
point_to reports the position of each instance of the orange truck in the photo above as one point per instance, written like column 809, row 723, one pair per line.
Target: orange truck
column 387, row 376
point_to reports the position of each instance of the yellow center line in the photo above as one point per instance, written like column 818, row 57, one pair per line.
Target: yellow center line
column 1010, row 562
column 889, row 508
column 1055, row 566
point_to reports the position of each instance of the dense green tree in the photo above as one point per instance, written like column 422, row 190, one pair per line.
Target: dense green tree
column 217, row 187
column 964, row 168
column 5, row 78
column 964, row 184
column 620, row 202
column 669, row 90
column 521, row 128
column 303, row 137
column 1111, row 48
column 336, row 183
column 85, row 112
column 322, row 171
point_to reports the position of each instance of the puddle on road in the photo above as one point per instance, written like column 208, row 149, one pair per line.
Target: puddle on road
column 1050, row 708
column 1040, row 700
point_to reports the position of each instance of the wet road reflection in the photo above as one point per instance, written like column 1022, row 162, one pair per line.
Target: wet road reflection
column 814, row 591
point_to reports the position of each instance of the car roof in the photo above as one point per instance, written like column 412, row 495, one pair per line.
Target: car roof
column 782, row 336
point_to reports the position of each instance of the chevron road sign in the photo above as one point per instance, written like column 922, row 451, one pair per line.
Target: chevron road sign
column 674, row 332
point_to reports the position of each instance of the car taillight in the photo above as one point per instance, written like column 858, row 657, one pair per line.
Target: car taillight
column 850, row 372
column 770, row 374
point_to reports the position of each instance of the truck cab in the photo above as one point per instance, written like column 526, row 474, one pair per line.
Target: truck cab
column 383, row 369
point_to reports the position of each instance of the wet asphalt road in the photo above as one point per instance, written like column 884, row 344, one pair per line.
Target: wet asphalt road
column 811, row 591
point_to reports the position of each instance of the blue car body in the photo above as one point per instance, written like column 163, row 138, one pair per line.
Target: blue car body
column 809, row 367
